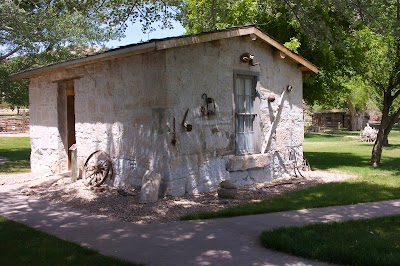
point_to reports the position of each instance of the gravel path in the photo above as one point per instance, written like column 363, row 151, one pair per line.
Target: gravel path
column 123, row 205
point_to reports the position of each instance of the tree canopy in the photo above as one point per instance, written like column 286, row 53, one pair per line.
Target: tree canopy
column 350, row 41
column 40, row 26
column 39, row 32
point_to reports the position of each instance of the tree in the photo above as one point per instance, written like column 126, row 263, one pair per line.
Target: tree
column 374, row 26
column 345, row 38
column 116, row 13
column 15, row 93
column 40, row 26
column 381, row 69
column 287, row 26
column 356, row 99
column 40, row 32
column 208, row 15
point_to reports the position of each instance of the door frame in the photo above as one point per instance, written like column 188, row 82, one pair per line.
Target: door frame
column 70, row 118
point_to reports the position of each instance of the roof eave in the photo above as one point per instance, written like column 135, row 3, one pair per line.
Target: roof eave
column 304, row 65
column 143, row 48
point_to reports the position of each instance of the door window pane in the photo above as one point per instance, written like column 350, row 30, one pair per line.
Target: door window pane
column 244, row 101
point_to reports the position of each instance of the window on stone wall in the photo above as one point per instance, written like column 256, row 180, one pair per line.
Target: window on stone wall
column 245, row 111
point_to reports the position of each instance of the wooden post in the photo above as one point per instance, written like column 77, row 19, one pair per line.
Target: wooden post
column 268, row 137
column 74, row 166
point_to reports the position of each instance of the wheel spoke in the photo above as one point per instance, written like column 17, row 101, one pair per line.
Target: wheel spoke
column 97, row 168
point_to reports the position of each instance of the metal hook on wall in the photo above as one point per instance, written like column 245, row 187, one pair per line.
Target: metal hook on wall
column 209, row 108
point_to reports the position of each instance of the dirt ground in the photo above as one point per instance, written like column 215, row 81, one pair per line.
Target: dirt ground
column 123, row 204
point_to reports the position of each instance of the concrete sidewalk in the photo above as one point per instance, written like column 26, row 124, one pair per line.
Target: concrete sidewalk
column 14, row 135
column 229, row 241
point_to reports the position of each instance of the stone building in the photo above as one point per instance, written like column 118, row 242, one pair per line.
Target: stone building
column 338, row 119
column 196, row 109
column 335, row 119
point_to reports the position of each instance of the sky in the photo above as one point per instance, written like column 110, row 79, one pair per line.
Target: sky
column 134, row 34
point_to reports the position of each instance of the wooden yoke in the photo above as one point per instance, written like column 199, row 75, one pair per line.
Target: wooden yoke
column 276, row 115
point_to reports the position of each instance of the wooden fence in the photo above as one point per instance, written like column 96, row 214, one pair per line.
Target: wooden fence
column 14, row 124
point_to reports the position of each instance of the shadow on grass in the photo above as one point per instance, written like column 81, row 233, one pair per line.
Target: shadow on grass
column 330, row 160
column 16, row 153
column 18, row 160
column 334, row 160
column 366, row 242
column 318, row 136
column 25, row 245
column 324, row 195
column 392, row 147
column 15, row 167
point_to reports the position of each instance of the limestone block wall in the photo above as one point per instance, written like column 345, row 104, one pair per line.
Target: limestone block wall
column 133, row 108
column 198, row 162
column 47, row 149
column 120, row 108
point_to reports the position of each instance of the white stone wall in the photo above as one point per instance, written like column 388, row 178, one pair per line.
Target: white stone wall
column 120, row 108
column 47, row 149
column 199, row 159
column 127, row 106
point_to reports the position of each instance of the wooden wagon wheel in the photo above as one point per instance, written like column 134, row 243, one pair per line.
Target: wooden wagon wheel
column 97, row 168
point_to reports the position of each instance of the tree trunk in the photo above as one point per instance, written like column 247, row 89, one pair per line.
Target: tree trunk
column 377, row 149
column 388, row 122
column 353, row 115
column 382, row 138
column 360, row 120
column 356, row 117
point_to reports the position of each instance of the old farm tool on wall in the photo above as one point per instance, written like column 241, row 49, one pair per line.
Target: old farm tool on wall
column 267, row 141
column 188, row 127
column 209, row 107
column 97, row 168
column 173, row 141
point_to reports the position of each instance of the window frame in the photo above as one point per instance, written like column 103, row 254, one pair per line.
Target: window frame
column 255, row 136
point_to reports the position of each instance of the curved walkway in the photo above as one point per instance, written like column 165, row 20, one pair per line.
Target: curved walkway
column 228, row 241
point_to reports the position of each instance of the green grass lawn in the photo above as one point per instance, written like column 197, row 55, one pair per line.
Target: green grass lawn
column 333, row 153
column 17, row 150
column 341, row 133
column 364, row 242
column 22, row 245
column 369, row 242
